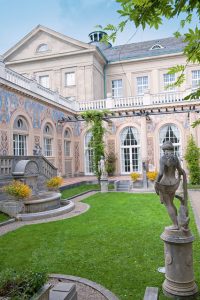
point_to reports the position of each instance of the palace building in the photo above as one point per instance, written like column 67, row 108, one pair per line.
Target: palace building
column 48, row 79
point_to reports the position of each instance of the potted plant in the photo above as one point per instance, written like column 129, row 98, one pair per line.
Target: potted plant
column 18, row 190
column 54, row 183
column 134, row 176
column 110, row 163
column 152, row 175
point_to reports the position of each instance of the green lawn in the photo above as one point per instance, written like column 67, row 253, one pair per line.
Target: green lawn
column 3, row 217
column 116, row 243
column 82, row 188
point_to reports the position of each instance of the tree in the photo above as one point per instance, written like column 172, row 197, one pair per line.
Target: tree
column 150, row 13
column 95, row 119
column 192, row 157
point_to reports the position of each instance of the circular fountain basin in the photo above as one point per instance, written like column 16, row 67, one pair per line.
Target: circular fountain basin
column 42, row 202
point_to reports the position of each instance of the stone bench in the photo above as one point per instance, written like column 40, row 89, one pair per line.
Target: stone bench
column 151, row 293
column 63, row 291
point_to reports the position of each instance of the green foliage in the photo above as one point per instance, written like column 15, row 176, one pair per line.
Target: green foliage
column 95, row 119
column 110, row 163
column 192, row 157
column 21, row 285
column 3, row 217
column 151, row 13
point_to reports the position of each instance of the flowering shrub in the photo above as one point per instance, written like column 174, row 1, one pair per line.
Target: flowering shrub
column 18, row 189
column 152, row 175
column 135, row 176
column 54, row 182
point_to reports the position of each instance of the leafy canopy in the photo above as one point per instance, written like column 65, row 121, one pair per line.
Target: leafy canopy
column 151, row 13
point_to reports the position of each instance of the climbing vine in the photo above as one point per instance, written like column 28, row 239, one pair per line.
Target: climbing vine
column 95, row 120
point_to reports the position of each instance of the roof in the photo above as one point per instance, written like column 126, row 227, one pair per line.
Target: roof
column 142, row 50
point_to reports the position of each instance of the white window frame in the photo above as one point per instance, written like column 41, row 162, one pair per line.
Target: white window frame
column 195, row 79
column 174, row 129
column 128, row 150
column 48, row 149
column 167, row 80
column 88, row 151
column 142, row 84
column 70, row 79
column 19, row 144
column 44, row 81
column 117, row 88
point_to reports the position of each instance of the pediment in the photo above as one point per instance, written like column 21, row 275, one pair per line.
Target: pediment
column 47, row 40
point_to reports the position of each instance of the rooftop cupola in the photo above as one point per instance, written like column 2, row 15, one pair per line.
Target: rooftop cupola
column 95, row 39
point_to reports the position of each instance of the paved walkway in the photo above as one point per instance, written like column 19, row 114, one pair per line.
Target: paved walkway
column 194, row 196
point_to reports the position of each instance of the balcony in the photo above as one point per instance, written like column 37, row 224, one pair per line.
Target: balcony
column 111, row 104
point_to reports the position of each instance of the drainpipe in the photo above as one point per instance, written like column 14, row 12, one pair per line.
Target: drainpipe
column 104, row 81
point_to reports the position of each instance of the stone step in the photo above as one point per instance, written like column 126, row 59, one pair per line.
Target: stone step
column 46, row 214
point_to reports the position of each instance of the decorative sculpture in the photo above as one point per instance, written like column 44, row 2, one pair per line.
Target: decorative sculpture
column 166, row 185
column 37, row 150
column 102, row 168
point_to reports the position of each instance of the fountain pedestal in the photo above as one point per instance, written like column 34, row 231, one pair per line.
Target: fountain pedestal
column 179, row 276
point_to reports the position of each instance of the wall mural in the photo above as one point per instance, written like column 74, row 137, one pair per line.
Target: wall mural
column 10, row 102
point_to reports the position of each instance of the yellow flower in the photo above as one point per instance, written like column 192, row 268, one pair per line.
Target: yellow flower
column 135, row 176
column 152, row 175
column 54, row 182
column 18, row 189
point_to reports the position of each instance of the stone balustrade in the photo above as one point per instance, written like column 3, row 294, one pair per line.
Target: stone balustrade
column 100, row 104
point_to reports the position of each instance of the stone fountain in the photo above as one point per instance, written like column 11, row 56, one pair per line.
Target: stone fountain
column 42, row 203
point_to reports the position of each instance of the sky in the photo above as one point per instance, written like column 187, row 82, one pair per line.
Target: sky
column 74, row 18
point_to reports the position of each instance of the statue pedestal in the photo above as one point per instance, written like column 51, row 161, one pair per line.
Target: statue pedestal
column 104, row 185
column 179, row 277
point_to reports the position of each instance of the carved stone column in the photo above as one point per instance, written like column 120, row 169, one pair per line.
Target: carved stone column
column 179, row 276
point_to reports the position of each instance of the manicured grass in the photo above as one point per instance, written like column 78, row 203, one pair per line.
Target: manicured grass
column 116, row 243
column 3, row 217
column 82, row 188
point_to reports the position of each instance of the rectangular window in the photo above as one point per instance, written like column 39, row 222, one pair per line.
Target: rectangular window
column 19, row 145
column 69, row 79
column 67, row 148
column 142, row 84
column 44, row 81
column 47, row 147
column 195, row 79
column 169, row 79
column 117, row 88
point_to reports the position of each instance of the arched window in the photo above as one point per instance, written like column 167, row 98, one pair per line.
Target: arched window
column 42, row 48
column 67, row 142
column 20, row 136
column 170, row 132
column 130, row 150
column 48, row 140
column 88, row 154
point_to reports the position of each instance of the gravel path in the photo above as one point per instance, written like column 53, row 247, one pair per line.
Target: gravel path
column 79, row 209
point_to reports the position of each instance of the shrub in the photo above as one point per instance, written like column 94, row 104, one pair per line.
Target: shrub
column 110, row 163
column 21, row 286
column 152, row 175
column 135, row 176
column 54, row 182
column 18, row 189
column 192, row 157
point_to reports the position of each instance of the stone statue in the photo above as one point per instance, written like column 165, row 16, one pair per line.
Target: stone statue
column 102, row 167
column 167, row 183
column 37, row 150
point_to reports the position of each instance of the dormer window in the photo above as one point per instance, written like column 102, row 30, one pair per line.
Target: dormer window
column 156, row 46
column 42, row 48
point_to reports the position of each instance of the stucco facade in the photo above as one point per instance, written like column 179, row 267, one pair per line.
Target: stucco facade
column 129, row 82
